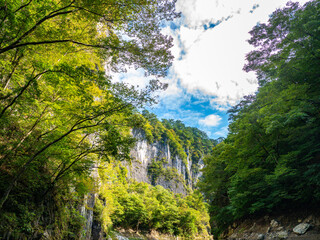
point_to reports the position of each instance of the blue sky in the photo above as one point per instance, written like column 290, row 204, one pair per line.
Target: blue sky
column 193, row 110
column 206, row 78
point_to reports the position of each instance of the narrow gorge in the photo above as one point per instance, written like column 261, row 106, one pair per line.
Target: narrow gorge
column 159, row 119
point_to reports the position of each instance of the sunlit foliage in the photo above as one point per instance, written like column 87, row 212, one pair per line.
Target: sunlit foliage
column 59, row 110
column 140, row 206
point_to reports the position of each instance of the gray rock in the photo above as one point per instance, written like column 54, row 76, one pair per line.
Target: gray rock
column 119, row 237
column 274, row 223
column 144, row 152
column 282, row 234
column 301, row 228
column 234, row 236
column 260, row 237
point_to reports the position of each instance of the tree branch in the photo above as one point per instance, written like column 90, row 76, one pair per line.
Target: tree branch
column 58, row 41
column 23, row 6
column 49, row 16
column 21, row 92
column 64, row 170
column 74, row 128
column 24, row 137
column 15, row 64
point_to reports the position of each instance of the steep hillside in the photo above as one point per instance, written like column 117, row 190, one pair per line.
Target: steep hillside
column 168, row 153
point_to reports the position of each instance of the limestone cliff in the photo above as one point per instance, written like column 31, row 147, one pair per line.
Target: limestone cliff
column 155, row 164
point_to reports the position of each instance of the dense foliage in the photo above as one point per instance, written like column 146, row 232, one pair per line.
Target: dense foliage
column 143, row 207
column 59, row 111
column 271, row 157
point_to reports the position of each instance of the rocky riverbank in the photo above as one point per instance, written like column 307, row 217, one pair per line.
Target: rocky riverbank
column 125, row 234
column 302, row 225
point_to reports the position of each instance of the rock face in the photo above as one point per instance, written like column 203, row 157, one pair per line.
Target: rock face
column 92, row 228
column 176, row 174
column 86, row 211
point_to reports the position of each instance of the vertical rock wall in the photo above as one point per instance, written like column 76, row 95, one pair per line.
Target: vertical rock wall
column 87, row 212
column 144, row 153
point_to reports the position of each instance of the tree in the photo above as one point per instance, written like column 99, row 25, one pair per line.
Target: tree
column 59, row 111
column 271, row 156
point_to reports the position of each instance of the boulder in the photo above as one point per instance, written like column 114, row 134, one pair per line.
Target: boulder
column 282, row 234
column 301, row 228
column 274, row 224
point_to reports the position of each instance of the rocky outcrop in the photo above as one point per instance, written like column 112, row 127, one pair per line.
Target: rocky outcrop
column 177, row 174
column 92, row 228
column 86, row 211
column 298, row 224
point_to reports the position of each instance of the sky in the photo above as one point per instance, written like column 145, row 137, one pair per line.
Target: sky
column 206, row 77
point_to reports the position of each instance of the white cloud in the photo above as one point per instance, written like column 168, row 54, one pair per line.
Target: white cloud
column 199, row 12
column 208, row 62
column 219, row 107
column 213, row 59
column 210, row 120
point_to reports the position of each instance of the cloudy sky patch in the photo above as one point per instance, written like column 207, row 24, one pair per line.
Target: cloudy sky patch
column 206, row 78
column 211, row 120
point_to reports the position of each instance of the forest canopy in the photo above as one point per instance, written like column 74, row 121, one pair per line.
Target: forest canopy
column 59, row 111
column 271, row 157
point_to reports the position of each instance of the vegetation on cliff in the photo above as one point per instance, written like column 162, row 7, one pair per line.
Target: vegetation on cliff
column 270, row 159
column 181, row 139
column 139, row 206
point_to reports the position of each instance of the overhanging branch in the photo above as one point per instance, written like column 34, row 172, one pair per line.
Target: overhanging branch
column 58, row 41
